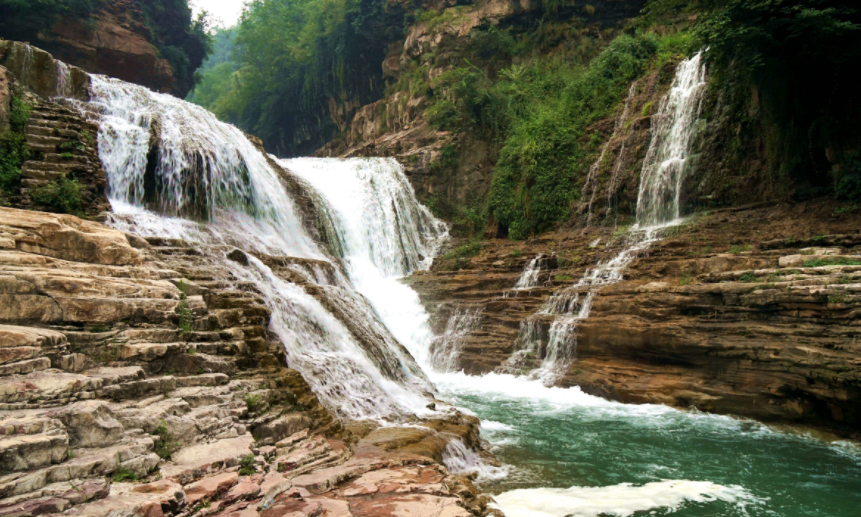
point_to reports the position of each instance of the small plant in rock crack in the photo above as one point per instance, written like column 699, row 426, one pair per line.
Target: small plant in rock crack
column 246, row 468
column 123, row 473
column 748, row 278
column 254, row 402
column 166, row 445
column 183, row 310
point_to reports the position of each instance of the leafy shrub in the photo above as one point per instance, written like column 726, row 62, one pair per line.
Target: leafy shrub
column 848, row 184
column 748, row 278
column 13, row 145
column 63, row 194
column 165, row 445
column 246, row 468
column 470, row 249
column 545, row 155
column 254, row 402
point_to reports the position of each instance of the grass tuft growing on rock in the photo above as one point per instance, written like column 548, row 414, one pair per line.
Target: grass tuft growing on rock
column 837, row 261
column 165, row 445
column 64, row 194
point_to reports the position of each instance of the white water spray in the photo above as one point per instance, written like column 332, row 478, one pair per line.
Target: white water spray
column 658, row 208
column 169, row 161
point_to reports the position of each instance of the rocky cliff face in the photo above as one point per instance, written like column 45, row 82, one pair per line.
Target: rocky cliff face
column 114, row 40
column 743, row 311
column 397, row 125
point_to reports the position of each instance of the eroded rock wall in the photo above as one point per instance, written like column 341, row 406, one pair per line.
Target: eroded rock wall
column 741, row 311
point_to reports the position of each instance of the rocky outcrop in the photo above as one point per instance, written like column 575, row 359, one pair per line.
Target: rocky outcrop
column 113, row 41
column 61, row 144
column 741, row 311
column 113, row 404
column 396, row 125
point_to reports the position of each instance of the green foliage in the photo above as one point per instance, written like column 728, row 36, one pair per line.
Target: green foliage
column 739, row 248
column 563, row 278
column 64, row 194
column 254, row 402
column 471, row 249
column 13, row 145
column 801, row 57
column 837, row 261
column 179, row 38
column 246, row 468
column 447, row 159
column 545, row 154
column 685, row 280
column 292, row 57
column 166, row 445
column 848, row 183
column 749, row 278
column 20, row 19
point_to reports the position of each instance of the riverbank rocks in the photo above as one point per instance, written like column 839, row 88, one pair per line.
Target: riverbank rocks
column 109, row 408
column 750, row 312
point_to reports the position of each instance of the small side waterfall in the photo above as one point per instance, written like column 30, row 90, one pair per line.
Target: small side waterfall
column 658, row 207
column 592, row 178
column 175, row 171
column 529, row 278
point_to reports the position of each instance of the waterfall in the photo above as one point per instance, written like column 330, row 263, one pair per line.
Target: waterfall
column 175, row 171
column 529, row 278
column 595, row 169
column 672, row 135
column 658, row 207
column 445, row 348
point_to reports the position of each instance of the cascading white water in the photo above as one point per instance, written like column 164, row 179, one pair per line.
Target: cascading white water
column 168, row 160
column 529, row 278
column 445, row 348
column 386, row 234
column 658, row 207
column 592, row 178
column 672, row 134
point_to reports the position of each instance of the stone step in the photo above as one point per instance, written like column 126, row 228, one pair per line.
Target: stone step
column 54, row 157
column 32, row 168
column 46, row 387
column 45, row 140
column 150, row 351
column 66, row 134
column 192, row 463
column 55, row 498
column 133, row 499
column 160, row 385
column 25, row 367
column 30, row 451
column 133, row 453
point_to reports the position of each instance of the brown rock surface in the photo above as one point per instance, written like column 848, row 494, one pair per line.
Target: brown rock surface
column 120, row 394
column 712, row 317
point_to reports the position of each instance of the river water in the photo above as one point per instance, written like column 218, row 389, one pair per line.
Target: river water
column 175, row 171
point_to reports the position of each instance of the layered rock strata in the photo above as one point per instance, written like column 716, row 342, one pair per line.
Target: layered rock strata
column 135, row 382
column 750, row 312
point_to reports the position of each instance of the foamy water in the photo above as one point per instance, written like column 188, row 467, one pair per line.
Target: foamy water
column 622, row 500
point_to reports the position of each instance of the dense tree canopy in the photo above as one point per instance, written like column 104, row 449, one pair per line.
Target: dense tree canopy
column 293, row 58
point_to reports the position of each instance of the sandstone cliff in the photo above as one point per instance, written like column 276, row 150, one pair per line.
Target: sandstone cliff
column 747, row 311
column 116, row 38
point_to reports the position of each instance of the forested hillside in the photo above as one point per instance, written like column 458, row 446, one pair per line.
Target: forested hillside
column 527, row 94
